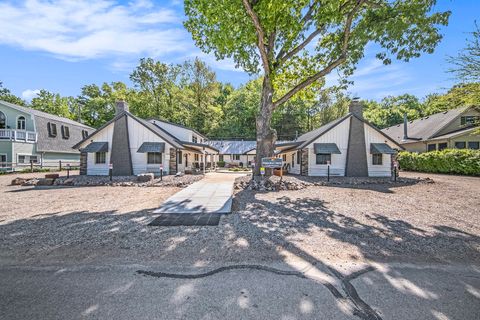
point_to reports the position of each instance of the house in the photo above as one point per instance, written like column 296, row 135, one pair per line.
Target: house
column 28, row 135
column 235, row 153
column 131, row 146
column 456, row 128
column 348, row 146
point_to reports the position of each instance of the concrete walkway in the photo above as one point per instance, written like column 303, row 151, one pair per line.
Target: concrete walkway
column 213, row 194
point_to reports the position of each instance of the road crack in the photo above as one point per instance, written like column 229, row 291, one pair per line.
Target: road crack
column 360, row 308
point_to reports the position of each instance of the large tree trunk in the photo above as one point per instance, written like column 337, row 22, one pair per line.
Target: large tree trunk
column 266, row 136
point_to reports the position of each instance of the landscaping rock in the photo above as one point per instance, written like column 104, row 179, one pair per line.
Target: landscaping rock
column 45, row 182
column 18, row 181
column 30, row 182
column 52, row 176
column 145, row 177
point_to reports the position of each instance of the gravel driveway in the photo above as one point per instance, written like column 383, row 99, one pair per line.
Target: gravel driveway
column 421, row 222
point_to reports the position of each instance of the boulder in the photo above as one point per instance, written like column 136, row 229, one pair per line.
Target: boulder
column 18, row 181
column 145, row 177
column 45, row 182
column 52, row 176
column 31, row 182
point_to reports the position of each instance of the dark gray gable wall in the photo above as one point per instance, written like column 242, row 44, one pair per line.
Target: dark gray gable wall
column 121, row 158
column 356, row 165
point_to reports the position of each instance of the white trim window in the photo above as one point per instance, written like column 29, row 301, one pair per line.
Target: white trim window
column 3, row 120
column 154, row 158
column 3, row 160
column 236, row 157
column 21, row 123
column 100, row 157
column 26, row 159
column 377, row 159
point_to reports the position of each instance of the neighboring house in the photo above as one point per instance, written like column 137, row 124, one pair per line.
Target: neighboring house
column 350, row 145
column 235, row 153
column 457, row 128
column 133, row 146
column 28, row 135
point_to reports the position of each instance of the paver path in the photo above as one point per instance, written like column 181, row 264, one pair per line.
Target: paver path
column 213, row 194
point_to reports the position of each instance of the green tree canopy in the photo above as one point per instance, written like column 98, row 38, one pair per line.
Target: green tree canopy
column 6, row 95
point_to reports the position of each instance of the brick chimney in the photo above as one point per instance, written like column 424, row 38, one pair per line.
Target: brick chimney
column 120, row 107
column 356, row 108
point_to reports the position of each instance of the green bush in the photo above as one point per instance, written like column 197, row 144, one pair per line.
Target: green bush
column 450, row 161
column 221, row 164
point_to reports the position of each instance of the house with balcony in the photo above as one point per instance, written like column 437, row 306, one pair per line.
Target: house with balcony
column 32, row 136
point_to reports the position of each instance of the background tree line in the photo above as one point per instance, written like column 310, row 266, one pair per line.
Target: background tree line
column 190, row 94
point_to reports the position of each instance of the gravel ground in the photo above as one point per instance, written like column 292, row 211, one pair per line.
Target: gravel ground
column 430, row 222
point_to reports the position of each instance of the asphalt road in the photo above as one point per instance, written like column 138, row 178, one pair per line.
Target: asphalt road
column 241, row 292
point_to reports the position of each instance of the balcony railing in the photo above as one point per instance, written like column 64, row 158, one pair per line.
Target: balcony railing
column 18, row 135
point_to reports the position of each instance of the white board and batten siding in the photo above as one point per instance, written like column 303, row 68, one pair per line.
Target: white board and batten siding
column 373, row 136
column 338, row 135
column 99, row 169
column 138, row 134
column 179, row 132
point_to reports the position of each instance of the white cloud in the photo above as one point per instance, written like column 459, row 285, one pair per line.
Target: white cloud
column 88, row 29
column 29, row 94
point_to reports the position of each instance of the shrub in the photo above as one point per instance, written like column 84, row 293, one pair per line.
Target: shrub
column 221, row 164
column 450, row 161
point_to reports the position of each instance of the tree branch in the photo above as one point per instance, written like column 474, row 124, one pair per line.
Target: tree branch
column 260, row 36
column 297, row 49
column 332, row 65
column 304, row 21
column 309, row 81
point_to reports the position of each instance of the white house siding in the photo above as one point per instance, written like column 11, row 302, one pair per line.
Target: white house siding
column 138, row 134
column 294, row 167
column 180, row 133
column 373, row 136
column 104, row 135
column 338, row 135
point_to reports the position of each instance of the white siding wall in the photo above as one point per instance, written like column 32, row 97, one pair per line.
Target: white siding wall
column 338, row 135
column 295, row 168
column 138, row 134
column 94, row 169
column 181, row 133
column 373, row 136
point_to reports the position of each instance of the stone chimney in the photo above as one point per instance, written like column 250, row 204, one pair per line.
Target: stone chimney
column 356, row 108
column 121, row 106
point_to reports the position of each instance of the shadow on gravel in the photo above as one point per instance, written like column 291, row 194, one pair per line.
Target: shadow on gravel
column 257, row 231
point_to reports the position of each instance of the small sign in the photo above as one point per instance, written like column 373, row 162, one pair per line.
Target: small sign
column 262, row 171
column 161, row 167
column 328, row 162
column 395, row 164
column 110, row 166
column 272, row 162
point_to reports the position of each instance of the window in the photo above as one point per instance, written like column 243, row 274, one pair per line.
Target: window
column 220, row 158
column 3, row 120
column 293, row 160
column 284, row 157
column 377, row 159
column 442, row 146
column 474, row 145
column 21, row 123
column 52, row 129
column 180, row 156
column 154, row 157
column 236, row 157
column 299, row 156
column 84, row 134
column 324, row 158
column 196, row 157
column 469, row 120
column 431, row 147
column 460, row 145
column 3, row 160
column 65, row 132
column 194, row 139
column 100, row 157
column 34, row 159
column 21, row 159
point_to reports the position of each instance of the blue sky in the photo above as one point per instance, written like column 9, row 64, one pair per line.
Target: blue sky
column 61, row 45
